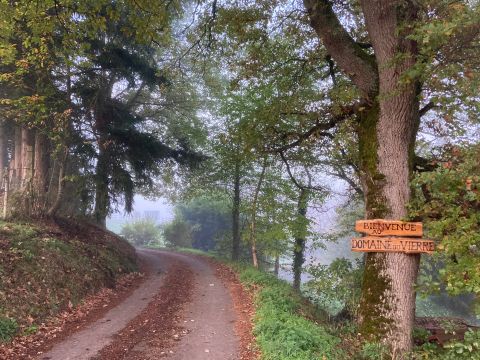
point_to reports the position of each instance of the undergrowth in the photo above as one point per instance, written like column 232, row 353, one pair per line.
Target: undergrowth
column 8, row 328
column 46, row 268
column 286, row 326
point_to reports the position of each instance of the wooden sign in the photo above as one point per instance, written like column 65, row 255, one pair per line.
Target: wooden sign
column 380, row 227
column 392, row 244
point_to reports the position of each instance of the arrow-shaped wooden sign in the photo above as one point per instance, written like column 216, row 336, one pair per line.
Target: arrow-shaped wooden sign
column 392, row 244
column 380, row 227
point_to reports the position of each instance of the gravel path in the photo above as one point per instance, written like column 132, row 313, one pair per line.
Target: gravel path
column 182, row 311
column 209, row 319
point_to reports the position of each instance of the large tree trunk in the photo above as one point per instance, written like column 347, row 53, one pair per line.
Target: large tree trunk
column 390, row 278
column 236, row 213
column 276, row 266
column 27, row 156
column 387, row 131
column 299, row 247
column 3, row 152
column 4, row 178
column 103, row 167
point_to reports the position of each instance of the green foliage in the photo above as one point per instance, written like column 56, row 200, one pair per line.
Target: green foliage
column 143, row 232
column 469, row 348
column 335, row 287
column 374, row 351
column 209, row 218
column 281, row 328
column 177, row 233
column 8, row 328
column 447, row 200
column 32, row 329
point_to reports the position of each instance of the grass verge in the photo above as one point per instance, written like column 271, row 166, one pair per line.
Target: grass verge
column 286, row 325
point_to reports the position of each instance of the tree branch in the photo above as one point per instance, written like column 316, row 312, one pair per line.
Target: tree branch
column 331, row 69
column 421, row 164
column 294, row 180
column 320, row 128
column 352, row 59
column 426, row 108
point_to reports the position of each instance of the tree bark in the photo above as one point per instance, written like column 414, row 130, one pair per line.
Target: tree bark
column 396, row 132
column 3, row 152
column 386, row 133
column 60, row 185
column 352, row 59
column 253, row 220
column 276, row 268
column 299, row 247
column 27, row 156
column 102, row 200
column 236, row 213
column 17, row 158
column 41, row 170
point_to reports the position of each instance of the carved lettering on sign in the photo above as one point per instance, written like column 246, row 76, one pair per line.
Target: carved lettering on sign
column 380, row 227
column 392, row 244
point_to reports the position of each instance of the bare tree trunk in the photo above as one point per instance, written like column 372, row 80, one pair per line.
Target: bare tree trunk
column 17, row 158
column 387, row 130
column 395, row 132
column 27, row 156
column 6, row 194
column 254, row 251
column 236, row 213
column 276, row 268
column 101, row 188
column 26, row 182
column 41, row 169
column 299, row 248
column 3, row 151
column 253, row 221
column 60, row 186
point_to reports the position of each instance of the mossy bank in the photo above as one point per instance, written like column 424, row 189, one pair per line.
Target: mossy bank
column 46, row 267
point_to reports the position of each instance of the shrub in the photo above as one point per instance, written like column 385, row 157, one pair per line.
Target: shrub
column 8, row 328
column 178, row 233
column 335, row 287
column 142, row 232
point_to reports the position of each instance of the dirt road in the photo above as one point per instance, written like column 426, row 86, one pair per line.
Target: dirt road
column 182, row 311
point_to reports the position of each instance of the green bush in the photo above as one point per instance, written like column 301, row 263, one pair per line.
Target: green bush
column 177, row 233
column 469, row 348
column 142, row 232
column 8, row 328
column 335, row 287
